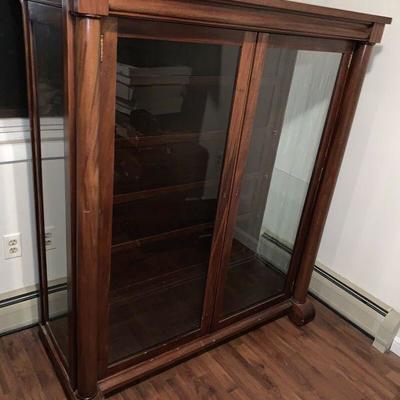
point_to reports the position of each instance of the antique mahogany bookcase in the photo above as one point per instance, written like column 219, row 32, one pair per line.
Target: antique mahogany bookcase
column 192, row 148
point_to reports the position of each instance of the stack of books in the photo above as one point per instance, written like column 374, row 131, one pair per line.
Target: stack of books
column 158, row 90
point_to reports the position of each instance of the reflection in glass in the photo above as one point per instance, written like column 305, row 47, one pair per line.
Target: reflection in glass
column 48, row 51
column 172, row 115
column 292, row 107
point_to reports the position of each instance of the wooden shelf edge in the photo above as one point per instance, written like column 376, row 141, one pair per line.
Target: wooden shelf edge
column 161, row 236
column 166, row 281
column 174, row 80
column 147, row 194
column 181, row 353
column 170, row 138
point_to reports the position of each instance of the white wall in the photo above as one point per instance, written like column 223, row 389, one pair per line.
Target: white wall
column 17, row 203
column 362, row 236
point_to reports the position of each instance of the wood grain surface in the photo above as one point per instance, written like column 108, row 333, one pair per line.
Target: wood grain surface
column 327, row 359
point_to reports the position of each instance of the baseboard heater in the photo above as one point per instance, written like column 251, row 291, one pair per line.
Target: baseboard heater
column 369, row 314
column 19, row 309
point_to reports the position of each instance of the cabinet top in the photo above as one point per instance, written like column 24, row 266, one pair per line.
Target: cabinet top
column 282, row 5
column 292, row 6
column 280, row 16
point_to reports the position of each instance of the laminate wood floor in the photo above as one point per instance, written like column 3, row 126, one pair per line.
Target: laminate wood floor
column 328, row 359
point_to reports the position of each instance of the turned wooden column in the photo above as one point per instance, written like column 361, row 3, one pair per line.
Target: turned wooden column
column 87, row 70
column 302, row 310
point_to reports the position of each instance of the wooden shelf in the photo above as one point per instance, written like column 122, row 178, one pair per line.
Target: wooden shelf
column 139, row 243
column 147, row 194
column 176, row 80
column 162, row 211
column 126, row 141
column 148, row 172
column 159, row 264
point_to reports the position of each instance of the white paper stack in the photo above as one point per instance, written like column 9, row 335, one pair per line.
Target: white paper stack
column 158, row 90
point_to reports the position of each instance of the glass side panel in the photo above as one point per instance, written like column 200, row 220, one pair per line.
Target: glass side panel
column 13, row 98
column 46, row 23
column 172, row 116
column 294, row 99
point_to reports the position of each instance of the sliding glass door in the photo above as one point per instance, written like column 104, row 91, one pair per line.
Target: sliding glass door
column 294, row 96
column 174, row 95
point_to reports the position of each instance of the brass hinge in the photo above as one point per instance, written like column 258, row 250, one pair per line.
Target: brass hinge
column 101, row 48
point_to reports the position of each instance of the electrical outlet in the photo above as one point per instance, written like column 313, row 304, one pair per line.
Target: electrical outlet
column 12, row 245
column 49, row 238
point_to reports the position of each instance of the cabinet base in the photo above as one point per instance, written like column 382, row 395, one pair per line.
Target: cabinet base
column 302, row 313
column 59, row 367
column 150, row 367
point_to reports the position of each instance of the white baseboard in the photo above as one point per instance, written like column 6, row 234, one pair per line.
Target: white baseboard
column 368, row 313
column 396, row 346
column 325, row 285
column 18, row 316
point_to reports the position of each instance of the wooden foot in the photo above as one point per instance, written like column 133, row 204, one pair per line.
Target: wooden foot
column 302, row 313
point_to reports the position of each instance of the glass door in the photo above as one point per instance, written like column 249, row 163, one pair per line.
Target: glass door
column 175, row 87
column 295, row 87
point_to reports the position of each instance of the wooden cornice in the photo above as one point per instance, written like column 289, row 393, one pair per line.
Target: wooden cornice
column 278, row 16
column 292, row 6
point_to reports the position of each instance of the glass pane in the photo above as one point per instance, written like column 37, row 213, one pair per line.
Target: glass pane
column 46, row 22
column 292, row 107
column 172, row 115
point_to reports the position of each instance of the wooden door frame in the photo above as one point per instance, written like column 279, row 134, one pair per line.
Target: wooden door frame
column 295, row 269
